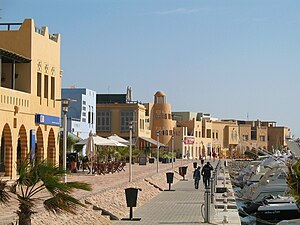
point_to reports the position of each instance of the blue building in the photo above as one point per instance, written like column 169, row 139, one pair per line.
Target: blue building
column 81, row 116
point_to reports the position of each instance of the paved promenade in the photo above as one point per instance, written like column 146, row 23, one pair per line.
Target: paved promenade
column 100, row 183
column 182, row 206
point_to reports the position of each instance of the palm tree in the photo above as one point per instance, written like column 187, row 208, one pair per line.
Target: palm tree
column 36, row 177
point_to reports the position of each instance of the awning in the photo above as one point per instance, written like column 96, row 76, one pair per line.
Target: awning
column 152, row 141
column 9, row 56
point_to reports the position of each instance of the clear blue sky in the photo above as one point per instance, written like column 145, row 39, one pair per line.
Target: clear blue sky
column 225, row 57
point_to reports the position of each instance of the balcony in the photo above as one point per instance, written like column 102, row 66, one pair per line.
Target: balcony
column 12, row 100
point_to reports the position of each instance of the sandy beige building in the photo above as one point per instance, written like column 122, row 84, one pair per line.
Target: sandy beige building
column 115, row 118
column 277, row 137
column 161, row 123
column 225, row 138
column 115, row 112
column 30, row 84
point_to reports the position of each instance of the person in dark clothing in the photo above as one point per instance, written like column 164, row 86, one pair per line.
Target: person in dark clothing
column 197, row 177
column 206, row 173
column 85, row 163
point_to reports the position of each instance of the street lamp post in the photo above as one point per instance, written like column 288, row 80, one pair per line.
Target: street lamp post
column 172, row 152
column 65, row 108
column 130, row 152
column 182, row 151
column 157, row 134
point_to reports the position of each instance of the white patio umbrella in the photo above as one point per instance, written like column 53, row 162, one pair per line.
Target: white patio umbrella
column 106, row 142
column 117, row 138
column 97, row 140
column 93, row 140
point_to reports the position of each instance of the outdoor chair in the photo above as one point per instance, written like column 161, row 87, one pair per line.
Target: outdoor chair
column 121, row 166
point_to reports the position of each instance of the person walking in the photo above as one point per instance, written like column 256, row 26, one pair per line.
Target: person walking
column 197, row 177
column 206, row 173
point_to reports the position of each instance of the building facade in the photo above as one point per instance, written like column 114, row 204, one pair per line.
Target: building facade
column 161, row 123
column 81, row 115
column 115, row 112
column 30, row 84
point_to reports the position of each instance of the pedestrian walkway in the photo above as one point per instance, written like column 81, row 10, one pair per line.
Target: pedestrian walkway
column 100, row 183
column 182, row 206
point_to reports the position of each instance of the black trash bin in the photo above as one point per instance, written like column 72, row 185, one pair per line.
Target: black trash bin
column 131, row 199
column 131, row 196
column 170, row 177
column 195, row 165
column 151, row 160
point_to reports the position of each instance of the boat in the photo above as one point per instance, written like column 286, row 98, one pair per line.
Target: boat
column 275, row 213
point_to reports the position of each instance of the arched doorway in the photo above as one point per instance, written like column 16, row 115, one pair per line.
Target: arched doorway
column 2, row 155
column 6, row 151
column 39, row 145
column 22, row 152
column 51, row 151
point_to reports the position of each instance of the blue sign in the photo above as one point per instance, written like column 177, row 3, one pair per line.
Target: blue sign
column 46, row 119
column 32, row 144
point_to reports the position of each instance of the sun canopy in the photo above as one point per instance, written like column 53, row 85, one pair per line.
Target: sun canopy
column 117, row 138
column 97, row 140
column 152, row 141
column 93, row 140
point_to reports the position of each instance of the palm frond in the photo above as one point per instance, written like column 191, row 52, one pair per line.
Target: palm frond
column 61, row 203
column 4, row 196
column 28, row 175
column 80, row 185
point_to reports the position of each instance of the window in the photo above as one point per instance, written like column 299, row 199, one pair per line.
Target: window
column 46, row 86
column 89, row 115
column 262, row 138
column 83, row 108
column 39, row 84
column 217, row 135
column 253, row 135
column 52, row 88
column 84, row 114
column 126, row 117
column 92, row 115
column 142, row 124
column 208, row 133
column 213, row 135
column 103, row 121
column 83, row 102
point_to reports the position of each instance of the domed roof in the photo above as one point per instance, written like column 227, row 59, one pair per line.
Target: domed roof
column 160, row 93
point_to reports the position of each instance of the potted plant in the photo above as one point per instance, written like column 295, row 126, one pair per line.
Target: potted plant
column 165, row 158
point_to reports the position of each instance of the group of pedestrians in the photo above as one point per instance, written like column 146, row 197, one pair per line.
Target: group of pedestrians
column 205, row 172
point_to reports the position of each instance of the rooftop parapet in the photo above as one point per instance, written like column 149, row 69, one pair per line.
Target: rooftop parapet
column 17, row 26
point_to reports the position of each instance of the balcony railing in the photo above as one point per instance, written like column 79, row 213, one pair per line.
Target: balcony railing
column 9, row 26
